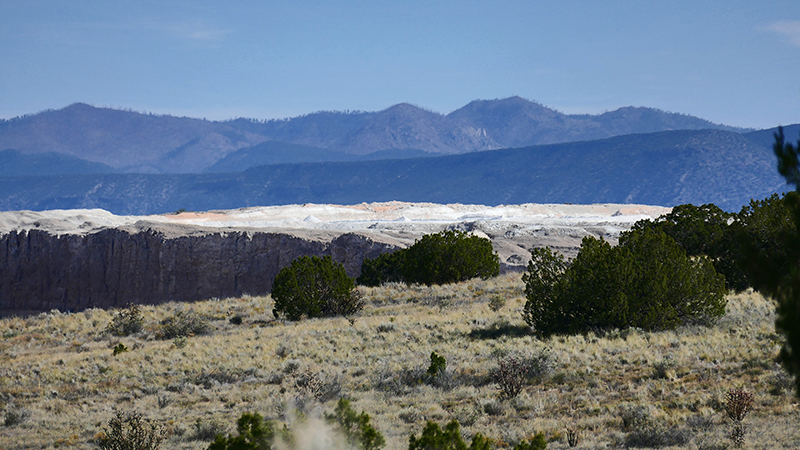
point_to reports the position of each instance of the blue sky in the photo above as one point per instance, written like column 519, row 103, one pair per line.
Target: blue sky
column 734, row 62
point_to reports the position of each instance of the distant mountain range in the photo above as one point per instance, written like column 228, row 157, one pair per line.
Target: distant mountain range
column 488, row 152
column 662, row 168
column 132, row 142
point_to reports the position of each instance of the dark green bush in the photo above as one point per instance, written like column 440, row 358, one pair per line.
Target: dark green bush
column 355, row 427
column 446, row 257
column 314, row 286
column 449, row 257
column 698, row 229
column 438, row 365
column 386, row 268
column 705, row 230
column 750, row 248
column 537, row 442
column 765, row 230
column 545, row 270
column 126, row 321
column 119, row 348
column 647, row 281
column 434, row 438
column 254, row 434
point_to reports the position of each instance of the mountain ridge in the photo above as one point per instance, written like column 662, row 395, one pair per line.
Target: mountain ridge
column 136, row 142
column 664, row 168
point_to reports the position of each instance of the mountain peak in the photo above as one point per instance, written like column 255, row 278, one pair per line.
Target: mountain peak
column 406, row 108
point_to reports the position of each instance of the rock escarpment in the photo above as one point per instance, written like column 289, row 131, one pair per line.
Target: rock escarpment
column 40, row 271
column 77, row 259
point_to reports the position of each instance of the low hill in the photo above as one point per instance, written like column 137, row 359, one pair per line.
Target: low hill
column 767, row 137
column 274, row 152
column 665, row 168
column 13, row 162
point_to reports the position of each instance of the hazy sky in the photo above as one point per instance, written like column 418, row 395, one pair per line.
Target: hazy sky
column 734, row 62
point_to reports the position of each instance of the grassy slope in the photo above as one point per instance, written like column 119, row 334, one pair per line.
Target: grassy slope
column 60, row 369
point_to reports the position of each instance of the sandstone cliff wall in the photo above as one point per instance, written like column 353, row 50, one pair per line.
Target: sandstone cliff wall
column 40, row 271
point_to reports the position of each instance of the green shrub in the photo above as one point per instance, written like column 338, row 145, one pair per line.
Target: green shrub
column 185, row 323
column 254, row 434
column 765, row 229
column 545, row 270
column 446, row 257
column 537, row 442
column 120, row 348
column 438, row 365
column 131, row 432
column 449, row 257
column 750, row 248
column 314, row 287
column 386, row 268
column 434, row 438
column 126, row 322
column 355, row 427
column 705, row 230
column 647, row 282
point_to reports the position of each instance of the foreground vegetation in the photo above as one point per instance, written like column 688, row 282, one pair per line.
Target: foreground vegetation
column 197, row 368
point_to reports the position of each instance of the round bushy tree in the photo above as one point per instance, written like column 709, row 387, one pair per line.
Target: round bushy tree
column 445, row 257
column 314, row 286
column 647, row 281
column 448, row 257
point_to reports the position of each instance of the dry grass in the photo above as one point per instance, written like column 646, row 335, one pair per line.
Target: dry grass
column 60, row 381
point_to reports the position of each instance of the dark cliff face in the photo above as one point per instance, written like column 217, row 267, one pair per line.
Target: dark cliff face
column 113, row 267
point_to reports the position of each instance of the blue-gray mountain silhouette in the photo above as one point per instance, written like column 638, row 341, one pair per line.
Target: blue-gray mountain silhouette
column 145, row 143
